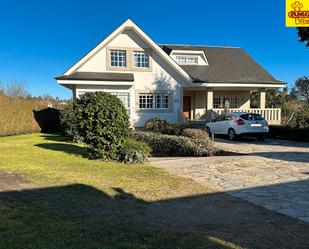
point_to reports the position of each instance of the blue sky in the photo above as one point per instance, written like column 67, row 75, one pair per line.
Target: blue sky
column 41, row 39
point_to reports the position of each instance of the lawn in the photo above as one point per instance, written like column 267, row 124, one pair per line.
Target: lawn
column 52, row 196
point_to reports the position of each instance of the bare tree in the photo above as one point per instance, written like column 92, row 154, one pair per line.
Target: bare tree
column 16, row 89
column 1, row 87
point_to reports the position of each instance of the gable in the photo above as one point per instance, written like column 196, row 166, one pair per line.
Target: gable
column 99, row 62
column 128, row 36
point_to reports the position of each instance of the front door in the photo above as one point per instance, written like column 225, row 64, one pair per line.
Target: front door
column 187, row 106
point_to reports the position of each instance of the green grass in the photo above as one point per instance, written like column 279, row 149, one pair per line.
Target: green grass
column 72, row 202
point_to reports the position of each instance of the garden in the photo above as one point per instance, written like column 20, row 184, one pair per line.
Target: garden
column 106, row 134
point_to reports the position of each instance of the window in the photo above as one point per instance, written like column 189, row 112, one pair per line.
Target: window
column 118, row 58
column 219, row 102
column 187, row 60
column 219, row 118
column 146, row 101
column 141, row 59
column 123, row 96
column 252, row 117
column 153, row 100
column 161, row 101
column 231, row 100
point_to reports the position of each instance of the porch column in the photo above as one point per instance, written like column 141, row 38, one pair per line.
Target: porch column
column 262, row 98
column 74, row 91
column 210, row 96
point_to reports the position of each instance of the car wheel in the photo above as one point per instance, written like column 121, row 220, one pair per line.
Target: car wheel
column 232, row 134
column 208, row 131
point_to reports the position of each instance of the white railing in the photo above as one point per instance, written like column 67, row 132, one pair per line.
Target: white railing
column 272, row 115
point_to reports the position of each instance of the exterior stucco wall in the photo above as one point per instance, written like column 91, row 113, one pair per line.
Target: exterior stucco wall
column 160, row 78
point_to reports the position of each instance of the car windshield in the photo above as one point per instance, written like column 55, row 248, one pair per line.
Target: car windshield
column 251, row 117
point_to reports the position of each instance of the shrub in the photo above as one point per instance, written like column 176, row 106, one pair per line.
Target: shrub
column 69, row 122
column 286, row 132
column 161, row 126
column 155, row 125
column 102, row 122
column 173, row 129
column 133, row 151
column 168, row 145
column 195, row 133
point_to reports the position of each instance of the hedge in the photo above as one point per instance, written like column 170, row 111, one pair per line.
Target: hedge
column 290, row 133
column 170, row 145
column 20, row 116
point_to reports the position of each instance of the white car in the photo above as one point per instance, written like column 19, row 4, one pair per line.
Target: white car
column 238, row 124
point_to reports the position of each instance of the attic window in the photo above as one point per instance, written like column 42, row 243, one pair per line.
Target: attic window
column 118, row 58
column 141, row 59
column 187, row 60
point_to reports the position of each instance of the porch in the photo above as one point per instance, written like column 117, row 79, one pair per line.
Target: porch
column 200, row 106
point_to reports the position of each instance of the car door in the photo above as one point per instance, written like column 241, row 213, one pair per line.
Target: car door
column 226, row 124
column 217, row 124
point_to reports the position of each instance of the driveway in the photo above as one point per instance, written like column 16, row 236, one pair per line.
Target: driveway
column 272, row 173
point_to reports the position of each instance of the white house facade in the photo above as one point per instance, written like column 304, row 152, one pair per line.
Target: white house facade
column 177, row 83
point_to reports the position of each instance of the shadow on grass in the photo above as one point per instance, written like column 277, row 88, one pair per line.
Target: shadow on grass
column 70, row 149
column 57, row 136
column 80, row 216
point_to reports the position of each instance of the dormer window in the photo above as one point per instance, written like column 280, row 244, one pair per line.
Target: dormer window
column 141, row 59
column 118, row 58
column 187, row 59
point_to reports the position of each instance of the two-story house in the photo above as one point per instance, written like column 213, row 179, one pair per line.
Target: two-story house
column 178, row 83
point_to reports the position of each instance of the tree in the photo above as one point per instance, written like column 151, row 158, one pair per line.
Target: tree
column 16, row 89
column 276, row 98
column 301, row 89
column 102, row 123
column 1, row 87
column 303, row 35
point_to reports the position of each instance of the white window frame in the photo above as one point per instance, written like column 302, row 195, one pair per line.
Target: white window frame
column 123, row 95
column 144, row 59
column 219, row 102
column 187, row 59
column 154, row 101
column 118, row 58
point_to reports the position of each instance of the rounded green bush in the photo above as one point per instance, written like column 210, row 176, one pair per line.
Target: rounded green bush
column 102, row 122
column 156, row 125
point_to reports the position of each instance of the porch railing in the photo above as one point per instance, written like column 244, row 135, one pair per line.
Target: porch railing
column 272, row 115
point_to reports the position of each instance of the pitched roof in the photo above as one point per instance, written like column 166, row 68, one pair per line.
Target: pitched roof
column 226, row 65
column 97, row 76
column 130, row 25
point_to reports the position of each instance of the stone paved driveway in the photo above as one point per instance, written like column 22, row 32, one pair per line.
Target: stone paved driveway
column 272, row 173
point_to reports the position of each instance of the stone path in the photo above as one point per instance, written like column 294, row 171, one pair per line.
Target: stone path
column 272, row 173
